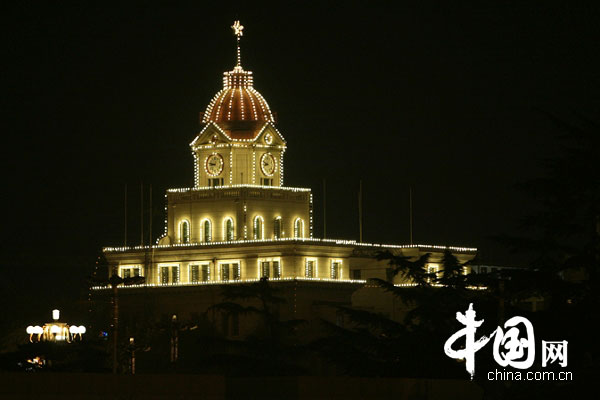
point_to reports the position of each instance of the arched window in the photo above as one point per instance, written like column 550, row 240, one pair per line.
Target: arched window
column 229, row 233
column 207, row 228
column 298, row 228
column 258, row 227
column 277, row 228
column 184, row 231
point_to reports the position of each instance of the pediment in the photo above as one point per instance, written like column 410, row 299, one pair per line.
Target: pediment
column 269, row 129
column 211, row 133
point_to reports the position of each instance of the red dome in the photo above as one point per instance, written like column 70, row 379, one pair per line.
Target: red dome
column 237, row 101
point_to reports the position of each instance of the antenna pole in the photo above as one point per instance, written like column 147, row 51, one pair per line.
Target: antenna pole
column 141, row 214
column 410, row 210
column 125, row 218
column 150, row 219
column 360, row 236
column 324, row 208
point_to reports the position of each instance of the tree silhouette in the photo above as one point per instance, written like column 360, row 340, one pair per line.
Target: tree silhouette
column 272, row 347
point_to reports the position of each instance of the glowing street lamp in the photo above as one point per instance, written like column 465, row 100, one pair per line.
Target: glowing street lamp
column 55, row 331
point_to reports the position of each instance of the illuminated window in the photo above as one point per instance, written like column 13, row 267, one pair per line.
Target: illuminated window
column 258, row 227
column 276, row 270
column 335, row 269
column 229, row 235
column 164, row 275
column 277, row 228
column 236, row 272
column 264, row 269
column 206, row 226
column 224, row 272
column 309, row 269
column 205, row 273
column 230, row 270
column 298, row 228
column 169, row 274
column 194, row 273
column 185, row 232
column 130, row 272
column 432, row 269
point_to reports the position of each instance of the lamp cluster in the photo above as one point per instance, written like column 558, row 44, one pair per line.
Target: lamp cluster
column 55, row 331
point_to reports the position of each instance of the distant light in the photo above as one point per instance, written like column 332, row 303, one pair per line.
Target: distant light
column 81, row 329
column 74, row 330
column 30, row 330
column 54, row 329
column 56, row 315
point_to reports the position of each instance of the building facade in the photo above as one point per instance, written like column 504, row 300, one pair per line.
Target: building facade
column 239, row 223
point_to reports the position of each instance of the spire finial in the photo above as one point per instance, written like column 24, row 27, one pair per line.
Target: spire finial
column 237, row 31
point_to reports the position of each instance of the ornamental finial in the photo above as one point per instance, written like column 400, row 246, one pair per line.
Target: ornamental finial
column 238, row 32
column 237, row 29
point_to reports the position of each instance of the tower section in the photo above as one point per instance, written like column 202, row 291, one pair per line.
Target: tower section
column 238, row 143
column 238, row 192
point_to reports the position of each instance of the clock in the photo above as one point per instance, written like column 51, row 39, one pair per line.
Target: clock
column 268, row 138
column 214, row 164
column 267, row 164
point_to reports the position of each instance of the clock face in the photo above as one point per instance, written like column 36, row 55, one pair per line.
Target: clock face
column 214, row 164
column 267, row 164
column 268, row 138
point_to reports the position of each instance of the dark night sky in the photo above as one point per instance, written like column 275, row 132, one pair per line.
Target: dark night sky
column 446, row 99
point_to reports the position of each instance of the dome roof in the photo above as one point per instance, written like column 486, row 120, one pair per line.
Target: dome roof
column 237, row 101
column 238, row 108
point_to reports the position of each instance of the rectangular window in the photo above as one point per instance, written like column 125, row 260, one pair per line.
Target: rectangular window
column 224, row 272
column 164, row 275
column 356, row 274
column 129, row 272
column 194, row 273
column 276, row 270
column 212, row 182
column 310, row 268
column 235, row 267
column 264, row 270
column 335, row 270
column 174, row 274
column 267, row 181
column 205, row 273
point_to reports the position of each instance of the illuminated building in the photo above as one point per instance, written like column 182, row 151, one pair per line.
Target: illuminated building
column 239, row 222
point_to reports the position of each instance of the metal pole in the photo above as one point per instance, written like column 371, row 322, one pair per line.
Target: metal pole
column 360, row 235
column 324, row 208
column 150, row 219
column 125, row 238
column 141, row 214
column 115, row 327
column 410, row 208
